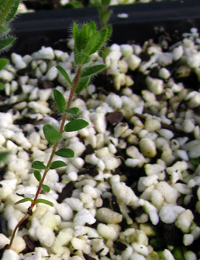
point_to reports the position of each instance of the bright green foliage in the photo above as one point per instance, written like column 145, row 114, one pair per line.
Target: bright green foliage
column 73, row 111
column 75, row 125
column 87, row 40
column 45, row 188
column 51, row 134
column 65, row 152
column 23, row 200
column 47, row 202
column 195, row 161
column 64, row 73
column 37, row 175
column 60, row 100
column 3, row 63
column 57, row 164
column 1, row 86
column 38, row 165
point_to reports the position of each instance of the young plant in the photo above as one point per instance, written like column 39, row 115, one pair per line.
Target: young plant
column 8, row 9
column 87, row 40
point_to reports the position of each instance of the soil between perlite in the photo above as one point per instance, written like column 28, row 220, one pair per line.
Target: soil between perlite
column 132, row 189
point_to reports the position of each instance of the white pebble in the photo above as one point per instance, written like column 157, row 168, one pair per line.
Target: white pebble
column 64, row 211
column 188, row 239
column 84, row 216
column 10, row 255
column 184, row 220
column 45, row 235
column 168, row 255
column 147, row 147
column 45, row 53
column 169, row 213
column 108, row 216
column 107, row 231
column 154, row 85
column 189, row 255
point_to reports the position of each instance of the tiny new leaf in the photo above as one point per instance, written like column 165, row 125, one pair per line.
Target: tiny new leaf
column 45, row 188
column 47, row 202
column 37, row 175
column 51, row 134
column 38, row 165
column 1, row 86
column 23, row 200
column 60, row 100
column 73, row 110
column 64, row 73
column 65, row 152
column 57, row 164
column 76, row 125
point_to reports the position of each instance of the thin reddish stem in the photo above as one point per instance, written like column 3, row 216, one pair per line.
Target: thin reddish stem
column 50, row 159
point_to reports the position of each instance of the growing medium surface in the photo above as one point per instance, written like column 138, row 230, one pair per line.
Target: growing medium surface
column 132, row 189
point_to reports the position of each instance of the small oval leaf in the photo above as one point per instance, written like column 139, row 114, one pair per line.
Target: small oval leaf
column 60, row 100
column 46, row 188
column 51, row 134
column 76, row 125
column 38, row 165
column 47, row 202
column 57, row 164
column 65, row 152
column 73, row 110
column 37, row 175
column 3, row 63
column 23, row 200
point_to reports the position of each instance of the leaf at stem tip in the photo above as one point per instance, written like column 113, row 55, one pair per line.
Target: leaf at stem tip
column 47, row 202
column 38, row 165
column 37, row 175
column 73, row 110
column 51, row 134
column 64, row 73
column 57, row 164
column 65, row 152
column 75, row 125
column 46, row 188
column 23, row 200
column 60, row 100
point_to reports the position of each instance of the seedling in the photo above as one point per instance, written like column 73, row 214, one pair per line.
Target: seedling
column 87, row 40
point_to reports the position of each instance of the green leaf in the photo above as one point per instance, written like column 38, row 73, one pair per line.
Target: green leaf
column 46, row 188
column 81, row 58
column 3, row 156
column 3, row 63
column 13, row 10
column 91, row 28
column 23, row 200
column 195, row 161
column 1, row 86
column 57, row 164
column 65, row 152
column 102, row 40
column 47, row 202
column 73, row 110
column 76, row 125
column 37, row 175
column 89, row 71
column 76, row 37
column 51, row 134
column 105, row 2
column 6, row 43
column 91, row 44
column 74, row 4
column 64, row 73
column 60, row 100
column 38, row 165
column 82, row 83
column 106, row 17
column 109, row 31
